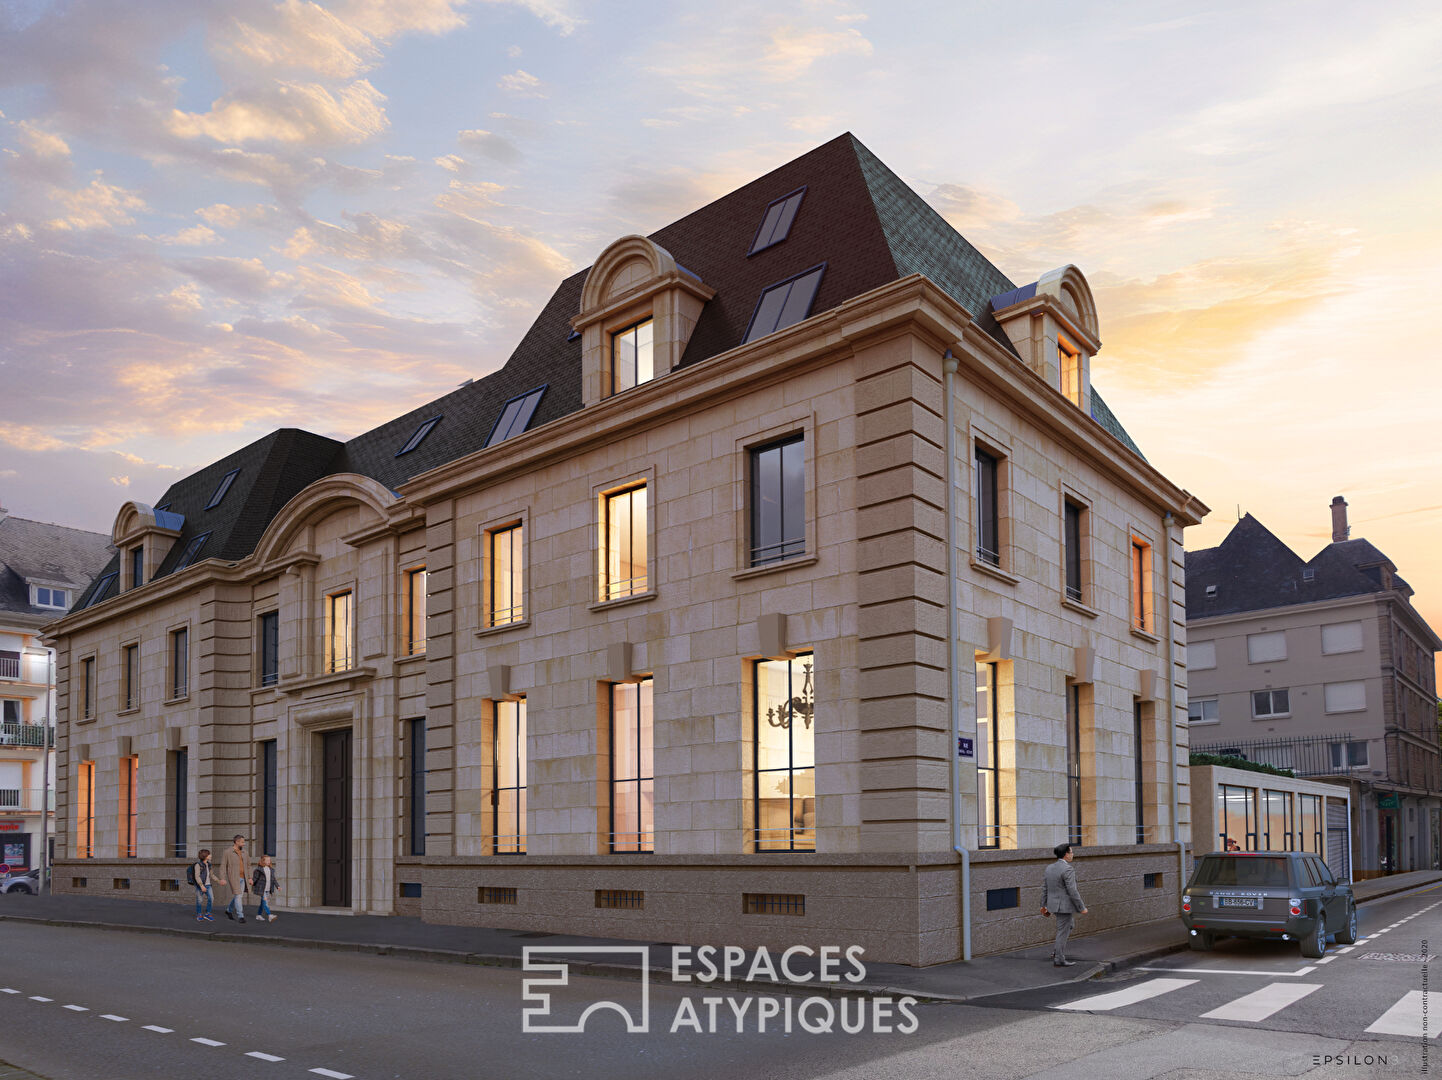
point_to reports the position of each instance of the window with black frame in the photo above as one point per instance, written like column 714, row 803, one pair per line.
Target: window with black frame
column 988, row 519
column 1139, row 791
column 130, row 676
column 129, row 807
column 507, row 598
column 416, row 782
column 508, row 791
column 778, row 501
column 1073, row 540
column 1236, row 818
column 785, row 734
column 632, row 768
column 988, row 752
column 1073, row 764
column 269, row 789
column 180, row 804
column 179, row 663
column 269, row 632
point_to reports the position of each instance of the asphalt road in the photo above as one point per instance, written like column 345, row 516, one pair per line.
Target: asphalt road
column 141, row 1004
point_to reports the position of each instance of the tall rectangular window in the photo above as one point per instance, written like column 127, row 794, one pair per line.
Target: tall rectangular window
column 785, row 734
column 129, row 805
column 85, row 811
column 1068, row 362
column 1141, row 585
column 416, row 795
column 988, row 752
column 179, row 662
column 269, row 787
column 269, row 648
column 507, row 597
column 988, row 509
column 508, row 791
column 632, row 361
column 1072, row 528
column 180, row 804
column 1073, row 764
column 137, row 567
column 624, row 534
column 339, row 632
column 778, row 501
column 1236, row 817
column 1139, row 787
column 632, row 770
column 130, row 676
column 87, row 688
column 1309, row 823
column 416, row 611
column 1277, row 820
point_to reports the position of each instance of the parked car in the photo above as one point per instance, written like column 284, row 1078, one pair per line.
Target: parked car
column 21, row 881
column 1276, row 895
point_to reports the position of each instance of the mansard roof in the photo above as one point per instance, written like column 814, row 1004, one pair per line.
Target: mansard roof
column 857, row 217
column 37, row 551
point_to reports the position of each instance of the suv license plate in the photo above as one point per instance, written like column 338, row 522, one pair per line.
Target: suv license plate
column 1239, row 901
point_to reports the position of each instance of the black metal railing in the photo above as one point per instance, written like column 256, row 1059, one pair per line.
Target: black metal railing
column 1304, row 755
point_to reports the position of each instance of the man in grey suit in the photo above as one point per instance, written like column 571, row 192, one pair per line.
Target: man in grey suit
column 1059, row 897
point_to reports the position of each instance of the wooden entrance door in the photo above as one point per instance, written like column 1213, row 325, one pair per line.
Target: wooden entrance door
column 336, row 822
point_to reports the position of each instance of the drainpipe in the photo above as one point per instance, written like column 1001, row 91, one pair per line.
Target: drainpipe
column 1171, row 711
column 949, row 365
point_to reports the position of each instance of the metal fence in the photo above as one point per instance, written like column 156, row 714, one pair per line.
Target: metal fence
column 1304, row 755
column 36, row 735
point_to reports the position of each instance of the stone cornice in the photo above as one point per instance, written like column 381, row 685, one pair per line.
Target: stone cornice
column 673, row 279
column 1049, row 305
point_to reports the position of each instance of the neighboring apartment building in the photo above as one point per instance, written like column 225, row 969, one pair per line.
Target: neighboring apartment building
column 1325, row 668
column 790, row 557
column 43, row 568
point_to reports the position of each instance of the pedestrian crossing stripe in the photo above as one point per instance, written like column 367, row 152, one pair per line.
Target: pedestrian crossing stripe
column 1260, row 1004
column 1131, row 995
column 1405, row 1018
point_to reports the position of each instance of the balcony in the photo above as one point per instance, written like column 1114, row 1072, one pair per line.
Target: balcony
column 9, row 665
column 34, row 736
column 25, row 800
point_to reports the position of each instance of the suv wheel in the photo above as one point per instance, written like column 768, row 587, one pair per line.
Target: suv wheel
column 1348, row 934
column 20, row 889
column 1314, row 945
column 1202, row 941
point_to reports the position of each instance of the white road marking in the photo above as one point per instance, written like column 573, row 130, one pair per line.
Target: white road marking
column 1130, row 996
column 1325, row 960
column 37, row 997
column 1233, row 971
column 75, row 1008
column 1405, row 1018
column 117, row 1019
column 264, row 1057
column 7, row 990
column 1346, row 949
column 208, row 1042
column 163, row 1031
column 333, row 1075
column 1260, row 1004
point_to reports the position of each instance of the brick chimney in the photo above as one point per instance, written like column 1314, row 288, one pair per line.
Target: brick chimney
column 1340, row 529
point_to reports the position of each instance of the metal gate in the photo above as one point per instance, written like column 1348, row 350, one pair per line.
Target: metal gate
column 1338, row 839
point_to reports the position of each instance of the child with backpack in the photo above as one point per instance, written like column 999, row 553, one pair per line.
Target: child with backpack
column 263, row 884
column 198, row 874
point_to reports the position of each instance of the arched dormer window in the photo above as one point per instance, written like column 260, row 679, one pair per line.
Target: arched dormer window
column 1053, row 324
column 143, row 537
column 638, row 308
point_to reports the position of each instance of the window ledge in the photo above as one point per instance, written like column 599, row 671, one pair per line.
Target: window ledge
column 773, row 567
column 86, row 720
column 994, row 571
column 1146, row 635
column 259, row 691
column 128, row 712
column 1080, row 608
column 177, row 700
column 330, row 678
column 487, row 631
column 622, row 601
column 410, row 658
column 1274, row 716
column 1202, row 723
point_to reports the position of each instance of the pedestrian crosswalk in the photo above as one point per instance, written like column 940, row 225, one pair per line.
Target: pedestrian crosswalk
column 1407, row 1017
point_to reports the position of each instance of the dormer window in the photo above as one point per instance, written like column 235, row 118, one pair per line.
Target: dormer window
column 99, row 593
column 632, row 357
column 137, row 566
column 777, row 221
column 1068, row 362
column 51, row 598
column 192, row 549
column 1211, row 592
column 785, row 304
column 222, row 488
column 516, row 416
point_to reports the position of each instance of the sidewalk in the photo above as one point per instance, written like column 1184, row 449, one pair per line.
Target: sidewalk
column 1024, row 969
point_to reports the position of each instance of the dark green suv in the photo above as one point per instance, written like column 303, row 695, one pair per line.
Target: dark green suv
column 1281, row 895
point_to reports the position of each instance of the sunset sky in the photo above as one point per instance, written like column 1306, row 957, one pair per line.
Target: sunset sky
column 219, row 217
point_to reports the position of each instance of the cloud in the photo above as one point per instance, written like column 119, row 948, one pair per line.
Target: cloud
column 792, row 50
column 296, row 35
column 120, row 481
column 95, row 206
column 229, row 217
column 387, row 19
column 522, row 84
column 289, row 112
column 195, row 236
column 496, row 147
column 43, row 144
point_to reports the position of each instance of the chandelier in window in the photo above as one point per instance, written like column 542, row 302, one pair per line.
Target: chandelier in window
column 802, row 706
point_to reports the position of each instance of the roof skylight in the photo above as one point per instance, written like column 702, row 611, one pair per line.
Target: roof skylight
column 777, row 222
column 101, row 586
column 784, row 304
column 516, row 416
column 419, row 436
column 192, row 549
column 222, row 488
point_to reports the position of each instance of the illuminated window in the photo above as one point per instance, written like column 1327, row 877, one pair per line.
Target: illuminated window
column 1138, row 787
column 85, row 812
column 988, row 753
column 508, row 762
column 339, row 631
column 1068, row 362
column 416, row 611
column 506, row 596
column 129, row 805
column 632, row 772
column 1141, row 585
column 1236, row 817
column 623, row 533
column 785, row 732
column 632, row 359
